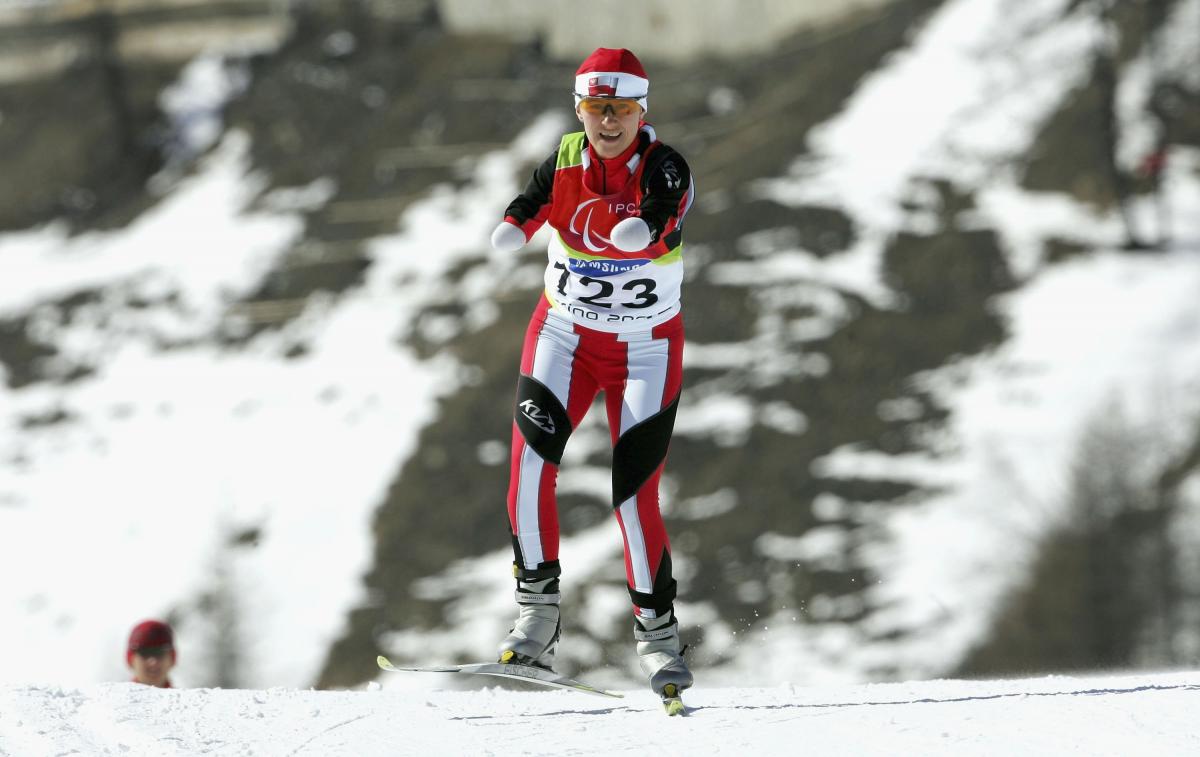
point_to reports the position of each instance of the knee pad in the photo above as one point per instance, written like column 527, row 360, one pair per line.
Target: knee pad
column 542, row 419
column 640, row 451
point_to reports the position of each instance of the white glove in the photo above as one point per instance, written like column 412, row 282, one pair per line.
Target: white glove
column 631, row 235
column 507, row 238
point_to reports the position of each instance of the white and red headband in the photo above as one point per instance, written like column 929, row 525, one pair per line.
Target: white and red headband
column 609, row 72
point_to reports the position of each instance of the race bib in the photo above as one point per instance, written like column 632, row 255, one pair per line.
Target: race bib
column 613, row 294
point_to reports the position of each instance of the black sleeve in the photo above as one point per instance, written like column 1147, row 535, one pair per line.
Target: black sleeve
column 665, row 181
column 528, row 205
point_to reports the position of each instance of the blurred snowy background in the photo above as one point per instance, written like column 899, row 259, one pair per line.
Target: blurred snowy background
column 942, row 381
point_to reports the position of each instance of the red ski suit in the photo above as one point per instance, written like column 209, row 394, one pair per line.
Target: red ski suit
column 609, row 321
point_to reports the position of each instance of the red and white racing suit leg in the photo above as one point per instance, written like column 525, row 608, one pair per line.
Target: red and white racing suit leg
column 563, row 367
column 554, row 392
column 641, row 413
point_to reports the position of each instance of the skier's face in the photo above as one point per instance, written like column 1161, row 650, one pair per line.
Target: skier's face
column 611, row 124
column 152, row 665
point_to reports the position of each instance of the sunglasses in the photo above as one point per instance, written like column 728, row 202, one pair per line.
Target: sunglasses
column 621, row 106
column 158, row 652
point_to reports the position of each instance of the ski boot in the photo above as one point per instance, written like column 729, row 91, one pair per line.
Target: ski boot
column 661, row 659
column 534, row 637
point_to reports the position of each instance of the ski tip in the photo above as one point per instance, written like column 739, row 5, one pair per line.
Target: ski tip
column 384, row 663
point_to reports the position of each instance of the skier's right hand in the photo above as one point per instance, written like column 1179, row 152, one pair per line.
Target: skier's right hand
column 507, row 237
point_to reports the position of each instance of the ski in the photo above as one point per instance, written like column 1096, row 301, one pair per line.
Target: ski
column 672, row 702
column 529, row 673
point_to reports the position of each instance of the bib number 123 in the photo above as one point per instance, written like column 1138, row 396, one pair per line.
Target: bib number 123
column 641, row 291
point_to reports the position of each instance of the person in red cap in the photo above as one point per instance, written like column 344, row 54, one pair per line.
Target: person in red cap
column 150, row 653
column 610, row 320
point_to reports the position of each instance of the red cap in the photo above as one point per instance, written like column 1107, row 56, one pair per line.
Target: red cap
column 612, row 60
column 149, row 633
column 610, row 72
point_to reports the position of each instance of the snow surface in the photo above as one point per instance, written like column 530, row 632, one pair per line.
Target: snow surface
column 303, row 448
column 1145, row 714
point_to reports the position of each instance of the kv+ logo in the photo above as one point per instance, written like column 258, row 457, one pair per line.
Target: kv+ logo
column 537, row 416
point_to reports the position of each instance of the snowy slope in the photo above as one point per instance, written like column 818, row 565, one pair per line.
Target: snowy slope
column 165, row 453
column 1148, row 714
column 303, row 448
column 961, row 104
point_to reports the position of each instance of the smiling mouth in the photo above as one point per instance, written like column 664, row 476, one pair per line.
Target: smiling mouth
column 610, row 136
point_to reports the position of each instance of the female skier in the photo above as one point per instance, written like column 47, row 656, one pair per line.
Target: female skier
column 610, row 321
